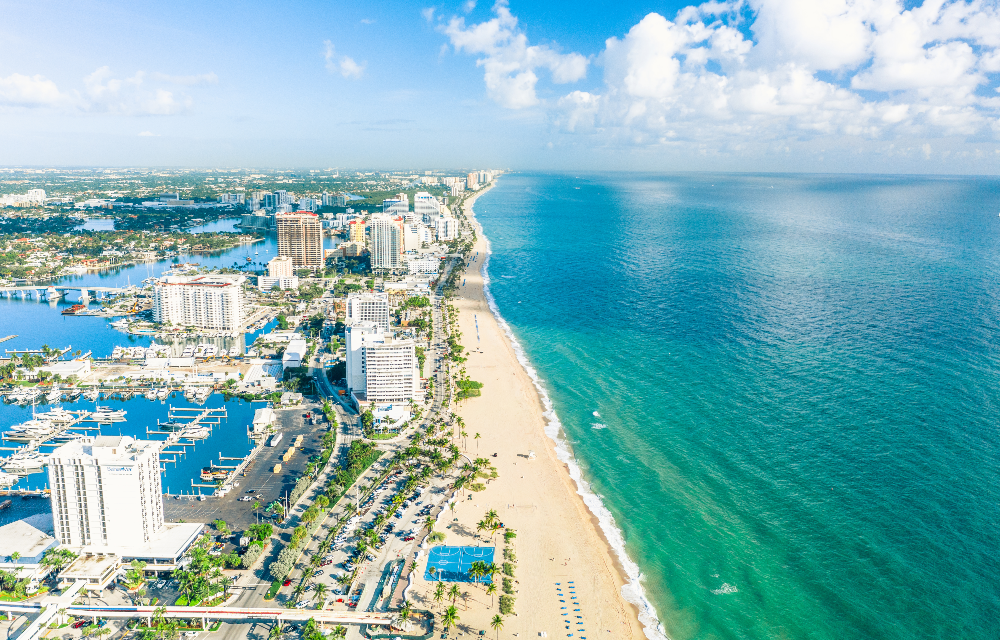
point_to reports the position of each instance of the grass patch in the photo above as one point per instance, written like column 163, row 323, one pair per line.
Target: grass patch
column 273, row 591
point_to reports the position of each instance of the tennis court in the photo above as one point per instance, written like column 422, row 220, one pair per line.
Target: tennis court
column 451, row 564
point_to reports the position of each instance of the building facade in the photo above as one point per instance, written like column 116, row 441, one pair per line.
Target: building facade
column 106, row 491
column 369, row 307
column 391, row 373
column 300, row 237
column 356, row 231
column 425, row 207
column 280, row 267
column 207, row 301
column 356, row 335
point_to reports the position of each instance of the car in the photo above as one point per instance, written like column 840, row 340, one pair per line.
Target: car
column 325, row 563
column 408, row 539
column 79, row 623
column 302, row 605
column 190, row 634
column 318, row 573
column 286, row 583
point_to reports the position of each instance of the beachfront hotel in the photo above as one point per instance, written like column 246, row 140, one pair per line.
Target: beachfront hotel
column 107, row 504
column 380, row 370
column 106, row 491
column 206, row 301
column 300, row 237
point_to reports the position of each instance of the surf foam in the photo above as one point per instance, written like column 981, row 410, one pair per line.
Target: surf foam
column 632, row 591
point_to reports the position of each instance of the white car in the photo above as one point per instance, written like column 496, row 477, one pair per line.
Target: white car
column 302, row 605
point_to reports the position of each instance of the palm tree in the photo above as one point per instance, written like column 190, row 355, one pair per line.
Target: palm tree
column 450, row 618
column 492, row 516
column 497, row 624
column 429, row 523
column 14, row 557
column 481, row 526
column 476, row 438
column 405, row 610
column 319, row 592
column 275, row 631
column 454, row 593
column 491, row 588
column 298, row 591
column 439, row 592
column 339, row 632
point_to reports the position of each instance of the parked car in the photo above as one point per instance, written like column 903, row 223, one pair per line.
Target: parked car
column 286, row 583
column 408, row 539
column 79, row 623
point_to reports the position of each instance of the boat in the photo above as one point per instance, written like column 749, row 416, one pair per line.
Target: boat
column 6, row 504
column 211, row 474
column 54, row 396
column 106, row 414
column 170, row 426
column 73, row 310
column 7, row 479
column 161, row 394
column 150, row 395
column 25, row 463
column 56, row 414
column 195, row 433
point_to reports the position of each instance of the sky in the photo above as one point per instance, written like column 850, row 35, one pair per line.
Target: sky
column 762, row 85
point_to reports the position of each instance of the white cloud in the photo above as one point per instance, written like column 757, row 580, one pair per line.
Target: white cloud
column 29, row 91
column 103, row 92
column 428, row 14
column 344, row 65
column 508, row 61
column 851, row 69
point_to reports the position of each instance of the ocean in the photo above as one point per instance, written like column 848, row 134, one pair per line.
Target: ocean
column 783, row 389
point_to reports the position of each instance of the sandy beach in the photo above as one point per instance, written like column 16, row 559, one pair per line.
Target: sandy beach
column 560, row 549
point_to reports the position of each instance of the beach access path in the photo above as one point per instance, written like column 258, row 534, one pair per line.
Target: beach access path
column 558, row 538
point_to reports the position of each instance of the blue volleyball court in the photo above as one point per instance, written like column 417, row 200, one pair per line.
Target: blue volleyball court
column 451, row 564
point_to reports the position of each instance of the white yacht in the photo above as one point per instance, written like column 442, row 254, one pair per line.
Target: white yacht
column 30, row 462
column 151, row 394
column 54, row 396
column 106, row 414
column 91, row 394
column 195, row 433
column 56, row 414
column 162, row 394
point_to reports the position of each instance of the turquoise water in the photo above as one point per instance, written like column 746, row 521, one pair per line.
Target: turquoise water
column 795, row 381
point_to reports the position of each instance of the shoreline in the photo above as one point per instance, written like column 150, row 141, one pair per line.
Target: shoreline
column 598, row 522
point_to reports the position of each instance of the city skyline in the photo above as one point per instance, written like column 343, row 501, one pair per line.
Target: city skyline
column 764, row 85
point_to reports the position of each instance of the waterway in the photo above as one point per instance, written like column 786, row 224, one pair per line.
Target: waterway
column 36, row 323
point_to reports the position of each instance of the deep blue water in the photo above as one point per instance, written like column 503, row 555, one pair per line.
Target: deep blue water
column 797, row 386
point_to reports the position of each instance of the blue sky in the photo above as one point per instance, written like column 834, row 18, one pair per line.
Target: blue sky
column 774, row 85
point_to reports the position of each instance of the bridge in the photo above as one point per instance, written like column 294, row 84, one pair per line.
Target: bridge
column 60, row 607
column 51, row 292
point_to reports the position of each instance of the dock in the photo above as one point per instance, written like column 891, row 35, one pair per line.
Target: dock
column 65, row 432
column 10, row 337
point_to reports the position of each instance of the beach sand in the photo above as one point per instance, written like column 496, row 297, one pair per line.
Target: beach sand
column 559, row 541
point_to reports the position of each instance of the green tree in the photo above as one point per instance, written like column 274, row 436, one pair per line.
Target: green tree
column 497, row 624
column 405, row 610
column 438, row 591
column 491, row 589
column 450, row 617
column 454, row 593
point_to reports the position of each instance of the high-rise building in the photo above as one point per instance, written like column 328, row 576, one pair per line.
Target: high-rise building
column 280, row 272
column 425, row 206
column 386, row 242
column 300, row 237
column 397, row 206
column 446, row 228
column 308, row 204
column 280, row 267
column 472, row 181
column 106, row 491
column 232, row 198
column 411, row 237
column 356, row 231
column 208, row 301
column 380, row 370
column 35, row 195
column 391, row 373
column 277, row 199
column 355, row 337
column 369, row 307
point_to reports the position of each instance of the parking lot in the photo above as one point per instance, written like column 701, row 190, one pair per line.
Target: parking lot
column 258, row 476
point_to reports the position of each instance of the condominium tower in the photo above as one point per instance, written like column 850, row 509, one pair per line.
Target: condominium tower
column 300, row 237
column 208, row 301
column 386, row 243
